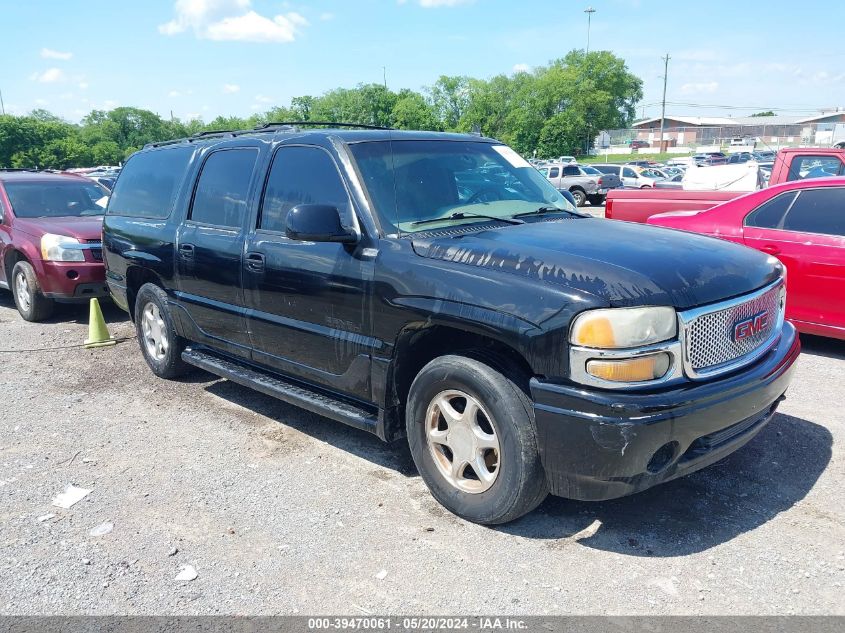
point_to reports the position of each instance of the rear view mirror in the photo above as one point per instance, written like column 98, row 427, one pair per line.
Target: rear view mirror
column 317, row 223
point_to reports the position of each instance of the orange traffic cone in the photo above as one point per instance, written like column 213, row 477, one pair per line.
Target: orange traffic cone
column 98, row 333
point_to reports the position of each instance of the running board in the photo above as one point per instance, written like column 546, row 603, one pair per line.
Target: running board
column 276, row 386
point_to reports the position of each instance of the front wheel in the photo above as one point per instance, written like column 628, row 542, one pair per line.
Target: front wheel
column 472, row 436
column 161, row 346
column 29, row 300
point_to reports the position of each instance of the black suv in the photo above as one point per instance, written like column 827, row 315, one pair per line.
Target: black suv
column 397, row 282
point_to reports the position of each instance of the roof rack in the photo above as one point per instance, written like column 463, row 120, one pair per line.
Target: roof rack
column 363, row 126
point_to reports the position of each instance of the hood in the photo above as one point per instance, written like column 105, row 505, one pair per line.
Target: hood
column 86, row 228
column 624, row 263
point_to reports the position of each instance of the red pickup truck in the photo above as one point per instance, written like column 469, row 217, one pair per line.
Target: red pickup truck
column 50, row 240
column 794, row 163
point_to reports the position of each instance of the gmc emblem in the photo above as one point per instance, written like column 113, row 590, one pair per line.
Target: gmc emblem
column 751, row 326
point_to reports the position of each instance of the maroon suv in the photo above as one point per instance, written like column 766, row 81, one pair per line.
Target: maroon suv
column 50, row 232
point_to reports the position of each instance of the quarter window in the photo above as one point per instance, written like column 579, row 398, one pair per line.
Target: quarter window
column 300, row 175
column 149, row 182
column 223, row 187
column 769, row 215
column 554, row 173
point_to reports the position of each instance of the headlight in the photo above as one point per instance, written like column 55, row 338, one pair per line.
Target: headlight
column 619, row 328
column 60, row 248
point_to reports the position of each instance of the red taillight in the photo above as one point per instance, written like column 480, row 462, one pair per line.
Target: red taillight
column 608, row 208
column 599, row 183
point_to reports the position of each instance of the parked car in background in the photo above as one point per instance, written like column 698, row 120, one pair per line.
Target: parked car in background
column 643, row 163
column 571, row 177
column 673, row 182
column 802, row 223
column 628, row 174
column 50, row 227
column 638, row 144
column 709, row 159
column 518, row 346
column 740, row 157
column 566, row 159
column 793, row 163
column 608, row 182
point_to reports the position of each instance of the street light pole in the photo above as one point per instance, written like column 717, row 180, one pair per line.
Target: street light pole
column 589, row 11
column 663, row 106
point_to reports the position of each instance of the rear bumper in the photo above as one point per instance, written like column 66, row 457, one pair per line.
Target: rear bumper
column 597, row 444
column 73, row 281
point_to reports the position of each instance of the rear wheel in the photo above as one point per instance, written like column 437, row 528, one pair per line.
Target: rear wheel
column 580, row 197
column 31, row 303
column 161, row 346
column 472, row 436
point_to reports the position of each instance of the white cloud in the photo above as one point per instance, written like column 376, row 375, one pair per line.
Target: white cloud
column 231, row 89
column 521, row 68
column 49, row 76
column 42, row 102
column 232, row 20
column 83, row 85
column 174, row 93
column 263, row 99
column 327, row 16
column 707, row 87
column 49, row 53
column 110, row 104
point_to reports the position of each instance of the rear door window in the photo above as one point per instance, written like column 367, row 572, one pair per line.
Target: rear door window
column 554, row 172
column 149, row 183
column 221, row 195
column 818, row 211
column 627, row 172
column 571, row 170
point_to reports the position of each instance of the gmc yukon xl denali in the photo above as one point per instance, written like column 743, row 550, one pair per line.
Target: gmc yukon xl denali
column 384, row 279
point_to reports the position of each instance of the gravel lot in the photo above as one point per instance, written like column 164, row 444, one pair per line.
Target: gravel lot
column 283, row 512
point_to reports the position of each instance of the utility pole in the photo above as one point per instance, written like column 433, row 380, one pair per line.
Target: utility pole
column 384, row 76
column 589, row 11
column 2, row 106
column 663, row 106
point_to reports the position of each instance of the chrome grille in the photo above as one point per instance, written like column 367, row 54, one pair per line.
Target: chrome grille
column 709, row 334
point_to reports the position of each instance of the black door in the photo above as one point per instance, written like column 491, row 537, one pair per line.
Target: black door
column 210, row 249
column 307, row 301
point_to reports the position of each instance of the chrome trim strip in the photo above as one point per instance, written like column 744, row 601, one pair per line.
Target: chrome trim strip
column 687, row 318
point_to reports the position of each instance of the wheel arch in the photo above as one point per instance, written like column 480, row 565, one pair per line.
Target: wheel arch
column 137, row 276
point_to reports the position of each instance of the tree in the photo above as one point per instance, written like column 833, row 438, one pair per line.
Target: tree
column 766, row 113
column 450, row 97
column 411, row 112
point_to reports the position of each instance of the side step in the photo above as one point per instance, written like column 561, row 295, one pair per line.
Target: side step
column 274, row 385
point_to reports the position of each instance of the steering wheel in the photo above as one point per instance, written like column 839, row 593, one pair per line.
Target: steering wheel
column 478, row 194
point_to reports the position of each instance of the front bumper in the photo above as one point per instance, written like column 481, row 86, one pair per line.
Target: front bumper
column 73, row 281
column 598, row 444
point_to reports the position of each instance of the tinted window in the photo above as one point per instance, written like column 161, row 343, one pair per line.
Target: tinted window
column 571, row 170
column 149, row 183
column 554, row 173
column 815, row 167
column 223, row 186
column 629, row 173
column 770, row 214
column 300, row 175
column 818, row 211
column 608, row 169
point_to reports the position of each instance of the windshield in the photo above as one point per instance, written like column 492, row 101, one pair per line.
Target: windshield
column 56, row 199
column 414, row 181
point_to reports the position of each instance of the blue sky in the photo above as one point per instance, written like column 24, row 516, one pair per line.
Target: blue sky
column 209, row 57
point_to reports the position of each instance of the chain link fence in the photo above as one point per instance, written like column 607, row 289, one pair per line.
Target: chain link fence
column 691, row 139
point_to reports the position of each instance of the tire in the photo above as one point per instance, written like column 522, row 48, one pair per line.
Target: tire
column 30, row 302
column 161, row 346
column 580, row 197
column 596, row 200
column 505, row 418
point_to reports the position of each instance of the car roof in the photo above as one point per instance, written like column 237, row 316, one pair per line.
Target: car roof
column 38, row 176
column 346, row 135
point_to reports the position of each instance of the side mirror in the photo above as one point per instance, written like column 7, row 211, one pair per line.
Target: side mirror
column 317, row 223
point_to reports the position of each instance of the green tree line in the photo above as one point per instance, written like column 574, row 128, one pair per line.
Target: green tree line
column 553, row 110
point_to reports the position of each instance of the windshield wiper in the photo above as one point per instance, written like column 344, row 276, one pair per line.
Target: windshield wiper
column 543, row 210
column 460, row 215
